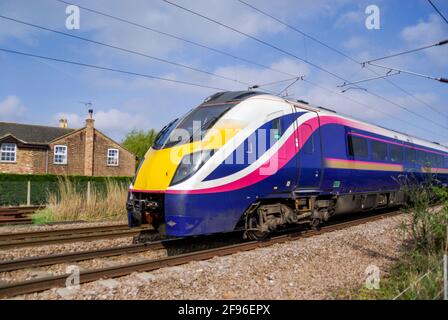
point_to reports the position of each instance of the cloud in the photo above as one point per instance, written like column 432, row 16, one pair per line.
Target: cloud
column 12, row 109
column 426, row 32
column 354, row 43
column 349, row 18
column 113, row 122
column 30, row 11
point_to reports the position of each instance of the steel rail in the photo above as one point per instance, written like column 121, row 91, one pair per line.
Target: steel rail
column 70, row 238
column 11, row 265
column 39, row 261
column 49, row 233
column 37, row 285
column 17, row 215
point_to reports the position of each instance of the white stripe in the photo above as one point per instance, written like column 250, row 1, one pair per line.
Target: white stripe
column 196, row 182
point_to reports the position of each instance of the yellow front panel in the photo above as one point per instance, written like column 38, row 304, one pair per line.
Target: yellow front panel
column 159, row 166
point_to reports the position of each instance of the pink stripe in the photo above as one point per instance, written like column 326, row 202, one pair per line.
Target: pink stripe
column 288, row 149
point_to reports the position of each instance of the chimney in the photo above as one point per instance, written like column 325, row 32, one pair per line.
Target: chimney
column 89, row 145
column 63, row 123
column 90, row 122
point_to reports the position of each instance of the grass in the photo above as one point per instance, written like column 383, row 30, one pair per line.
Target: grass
column 71, row 204
column 419, row 272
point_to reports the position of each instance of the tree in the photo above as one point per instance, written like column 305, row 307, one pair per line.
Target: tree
column 139, row 142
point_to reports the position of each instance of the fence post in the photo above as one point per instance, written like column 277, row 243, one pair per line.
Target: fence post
column 445, row 268
column 88, row 192
column 445, row 276
column 28, row 194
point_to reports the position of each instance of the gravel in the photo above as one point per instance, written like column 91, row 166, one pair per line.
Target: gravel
column 319, row 267
column 33, row 273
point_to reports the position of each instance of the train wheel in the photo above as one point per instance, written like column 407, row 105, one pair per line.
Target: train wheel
column 253, row 229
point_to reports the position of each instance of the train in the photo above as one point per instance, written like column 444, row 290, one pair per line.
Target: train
column 256, row 162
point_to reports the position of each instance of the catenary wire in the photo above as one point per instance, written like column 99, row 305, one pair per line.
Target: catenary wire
column 343, row 54
column 298, row 58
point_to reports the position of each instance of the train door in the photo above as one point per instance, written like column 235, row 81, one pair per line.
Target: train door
column 310, row 154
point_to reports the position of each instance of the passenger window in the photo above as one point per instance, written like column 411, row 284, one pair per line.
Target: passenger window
column 358, row 147
column 410, row 155
column 396, row 153
column 440, row 161
column 422, row 158
column 432, row 159
column 436, row 160
column 379, row 151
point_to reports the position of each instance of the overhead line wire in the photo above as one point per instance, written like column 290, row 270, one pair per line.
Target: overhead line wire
column 298, row 58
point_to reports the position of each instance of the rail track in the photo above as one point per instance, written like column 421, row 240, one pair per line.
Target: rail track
column 39, row 238
column 17, row 215
column 36, row 285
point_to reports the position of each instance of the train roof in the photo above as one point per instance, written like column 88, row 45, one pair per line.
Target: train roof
column 234, row 96
column 387, row 132
column 231, row 96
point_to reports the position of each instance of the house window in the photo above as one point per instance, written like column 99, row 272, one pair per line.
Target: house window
column 8, row 152
column 60, row 154
column 113, row 156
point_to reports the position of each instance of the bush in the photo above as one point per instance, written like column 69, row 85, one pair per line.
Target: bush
column 69, row 204
column 13, row 187
column 428, row 227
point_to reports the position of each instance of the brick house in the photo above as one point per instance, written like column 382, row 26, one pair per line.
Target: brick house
column 31, row 149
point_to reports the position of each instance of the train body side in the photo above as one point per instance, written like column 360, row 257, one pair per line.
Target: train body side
column 320, row 159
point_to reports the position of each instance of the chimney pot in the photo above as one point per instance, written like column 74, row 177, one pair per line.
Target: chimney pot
column 90, row 122
column 63, row 123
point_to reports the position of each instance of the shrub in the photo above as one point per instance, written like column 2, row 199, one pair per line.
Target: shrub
column 13, row 187
column 71, row 204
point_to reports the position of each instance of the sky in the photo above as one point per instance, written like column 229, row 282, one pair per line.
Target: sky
column 38, row 91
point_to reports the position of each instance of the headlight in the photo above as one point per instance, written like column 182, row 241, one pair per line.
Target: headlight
column 190, row 164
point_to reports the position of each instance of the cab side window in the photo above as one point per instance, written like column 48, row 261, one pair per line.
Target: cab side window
column 277, row 131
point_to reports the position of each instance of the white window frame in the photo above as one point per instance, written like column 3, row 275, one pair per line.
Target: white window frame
column 8, row 151
column 65, row 154
column 116, row 156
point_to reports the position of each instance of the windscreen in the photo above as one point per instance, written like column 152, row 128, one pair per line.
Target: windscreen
column 192, row 127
